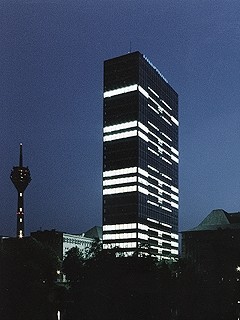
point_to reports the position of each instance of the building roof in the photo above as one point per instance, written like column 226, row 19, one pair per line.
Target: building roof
column 219, row 219
column 95, row 232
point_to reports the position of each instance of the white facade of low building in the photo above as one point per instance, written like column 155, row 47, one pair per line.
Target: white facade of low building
column 80, row 241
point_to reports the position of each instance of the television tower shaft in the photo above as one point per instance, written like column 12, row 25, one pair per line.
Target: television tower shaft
column 20, row 177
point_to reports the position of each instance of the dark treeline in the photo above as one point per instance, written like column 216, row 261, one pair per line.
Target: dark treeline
column 102, row 286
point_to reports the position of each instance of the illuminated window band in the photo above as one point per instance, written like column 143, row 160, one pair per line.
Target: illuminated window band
column 122, row 135
column 115, row 92
column 119, row 190
column 118, row 172
column 144, row 233
column 166, row 136
column 175, row 151
column 119, row 181
column 136, row 87
column 166, row 104
column 120, row 236
column 175, row 159
column 151, row 124
column 166, row 160
column 124, row 245
column 150, row 106
column 121, row 126
column 153, row 92
column 168, row 122
column 123, row 226
column 174, row 189
column 174, row 120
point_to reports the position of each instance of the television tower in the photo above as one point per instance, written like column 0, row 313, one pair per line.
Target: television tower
column 20, row 177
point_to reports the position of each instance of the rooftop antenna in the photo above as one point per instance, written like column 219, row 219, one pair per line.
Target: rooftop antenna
column 130, row 47
column 20, row 156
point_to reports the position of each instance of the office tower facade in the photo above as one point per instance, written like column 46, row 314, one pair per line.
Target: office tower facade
column 140, row 159
column 20, row 177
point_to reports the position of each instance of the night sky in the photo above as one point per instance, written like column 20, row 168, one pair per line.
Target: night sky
column 51, row 83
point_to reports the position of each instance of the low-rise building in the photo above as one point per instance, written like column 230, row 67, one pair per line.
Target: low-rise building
column 214, row 245
column 61, row 242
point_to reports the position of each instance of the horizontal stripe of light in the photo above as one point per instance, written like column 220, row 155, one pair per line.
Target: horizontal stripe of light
column 156, row 145
column 153, row 108
column 174, row 205
column 143, row 136
column 146, row 183
column 151, row 124
column 120, row 126
column 143, row 236
column 120, row 226
column 122, row 135
column 174, row 197
column 165, row 143
column 124, row 245
column 168, row 114
column 174, row 120
column 152, row 168
column 153, row 92
column 174, row 251
column 175, row 159
column 175, row 236
column 154, row 135
column 164, row 208
column 166, row 160
column 154, row 152
column 152, row 220
column 175, row 151
column 127, row 89
column 118, row 172
column 165, row 176
column 119, row 190
column 174, row 189
column 119, row 181
column 153, row 203
column 142, row 190
column 115, row 92
column 142, row 227
column 143, row 181
column 174, row 244
column 155, row 102
column 165, row 225
column 118, row 236
column 143, row 172
column 165, row 200
column 166, row 120
column 166, row 136
column 164, row 151
column 143, row 92
column 166, row 104
column 143, row 127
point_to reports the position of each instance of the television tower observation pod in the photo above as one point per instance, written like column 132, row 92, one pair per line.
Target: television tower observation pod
column 20, row 177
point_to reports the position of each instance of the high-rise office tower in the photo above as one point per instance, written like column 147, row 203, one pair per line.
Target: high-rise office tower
column 20, row 177
column 140, row 159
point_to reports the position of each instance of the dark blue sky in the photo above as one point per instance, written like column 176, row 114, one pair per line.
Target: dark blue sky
column 51, row 79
